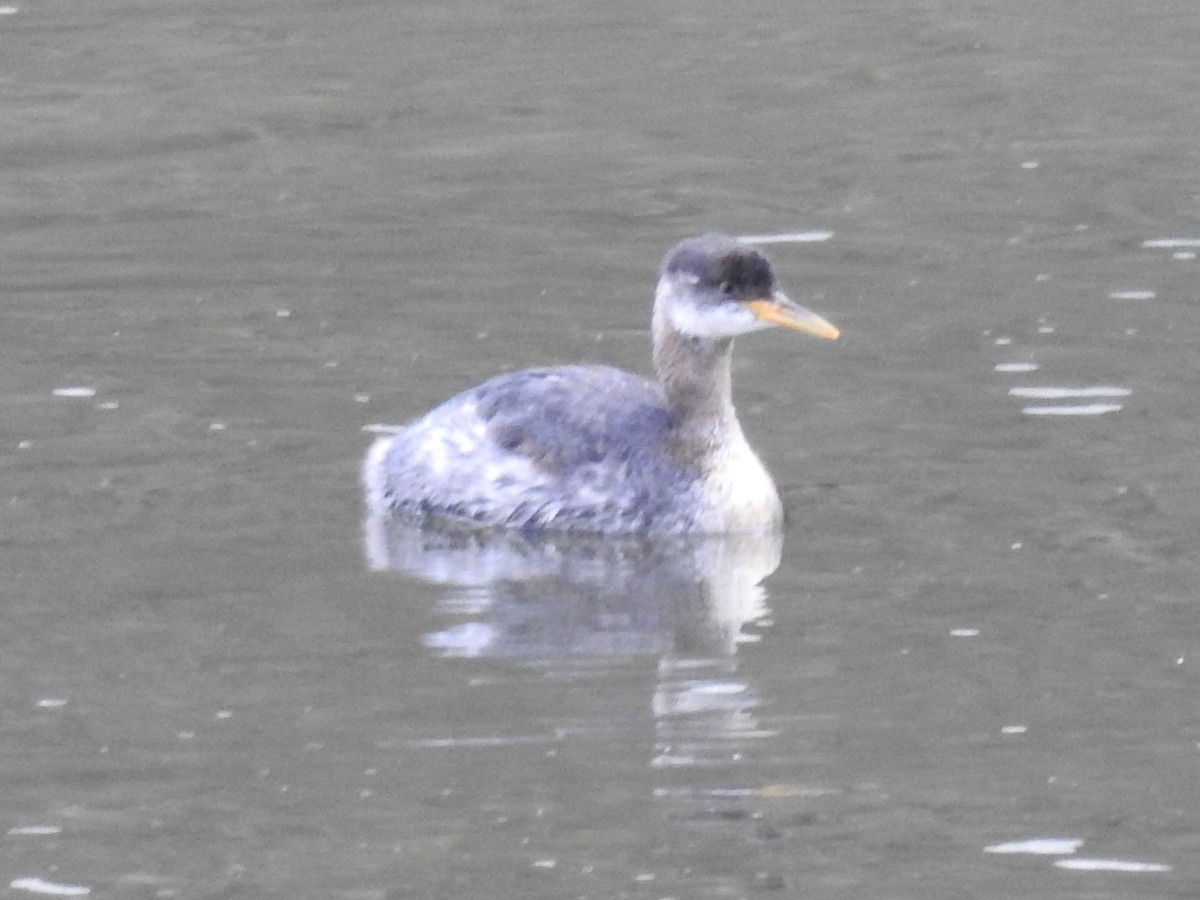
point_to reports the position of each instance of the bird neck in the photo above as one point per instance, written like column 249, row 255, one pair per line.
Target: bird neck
column 696, row 376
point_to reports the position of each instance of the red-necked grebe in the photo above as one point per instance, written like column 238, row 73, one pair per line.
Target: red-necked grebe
column 594, row 449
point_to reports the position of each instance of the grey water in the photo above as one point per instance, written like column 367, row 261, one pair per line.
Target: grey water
column 237, row 236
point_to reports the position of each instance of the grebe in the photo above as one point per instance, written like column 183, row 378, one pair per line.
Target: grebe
column 590, row 448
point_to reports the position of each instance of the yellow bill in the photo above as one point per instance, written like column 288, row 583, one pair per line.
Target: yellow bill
column 779, row 310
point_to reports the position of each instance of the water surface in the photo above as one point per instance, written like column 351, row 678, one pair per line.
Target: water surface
column 235, row 234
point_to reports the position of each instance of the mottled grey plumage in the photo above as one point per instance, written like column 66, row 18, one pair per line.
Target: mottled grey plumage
column 574, row 447
column 592, row 448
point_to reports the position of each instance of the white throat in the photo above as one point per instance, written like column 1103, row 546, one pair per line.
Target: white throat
column 687, row 317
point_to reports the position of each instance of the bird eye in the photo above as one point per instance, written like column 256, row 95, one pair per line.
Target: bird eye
column 726, row 288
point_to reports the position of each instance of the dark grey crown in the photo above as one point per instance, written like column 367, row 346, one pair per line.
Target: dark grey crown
column 722, row 263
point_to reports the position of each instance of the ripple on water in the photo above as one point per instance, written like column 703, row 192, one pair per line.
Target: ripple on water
column 1082, row 409
column 1101, row 396
column 50, row 888
column 1170, row 243
column 1068, row 393
column 787, row 237
column 83, row 392
column 1110, row 865
column 35, row 830
column 1040, row 846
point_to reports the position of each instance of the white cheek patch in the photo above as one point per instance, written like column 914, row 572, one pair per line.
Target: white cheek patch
column 725, row 321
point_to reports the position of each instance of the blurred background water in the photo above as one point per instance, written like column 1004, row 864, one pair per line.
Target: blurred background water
column 234, row 234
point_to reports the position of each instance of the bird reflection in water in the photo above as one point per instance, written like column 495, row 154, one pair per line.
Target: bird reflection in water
column 556, row 595
column 688, row 601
